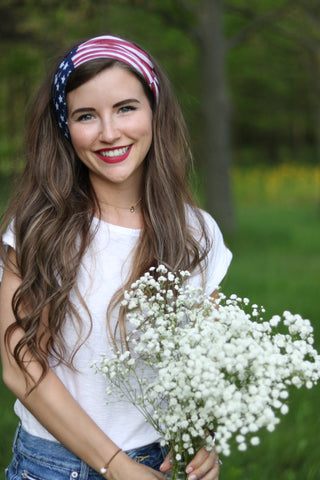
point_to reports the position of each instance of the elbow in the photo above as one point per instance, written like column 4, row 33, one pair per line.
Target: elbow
column 14, row 379
column 20, row 383
column 9, row 377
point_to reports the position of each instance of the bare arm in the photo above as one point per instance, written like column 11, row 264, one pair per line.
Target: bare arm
column 54, row 407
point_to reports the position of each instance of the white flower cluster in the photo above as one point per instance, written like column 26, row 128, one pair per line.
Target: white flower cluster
column 201, row 371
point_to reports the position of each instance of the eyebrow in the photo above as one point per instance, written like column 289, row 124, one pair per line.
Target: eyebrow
column 82, row 110
column 124, row 102
column 116, row 105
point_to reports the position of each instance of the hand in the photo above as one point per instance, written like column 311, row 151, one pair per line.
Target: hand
column 204, row 465
column 124, row 468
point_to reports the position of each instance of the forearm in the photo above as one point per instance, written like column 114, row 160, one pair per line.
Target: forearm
column 56, row 409
column 63, row 417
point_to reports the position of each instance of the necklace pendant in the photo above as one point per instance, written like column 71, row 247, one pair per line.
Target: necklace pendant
column 132, row 209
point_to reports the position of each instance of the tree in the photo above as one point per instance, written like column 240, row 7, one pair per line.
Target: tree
column 203, row 23
column 194, row 40
column 216, row 108
column 302, row 26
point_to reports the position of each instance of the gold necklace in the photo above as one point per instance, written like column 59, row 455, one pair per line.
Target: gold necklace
column 131, row 209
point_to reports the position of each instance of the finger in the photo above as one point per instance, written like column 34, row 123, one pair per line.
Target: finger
column 204, row 464
column 167, row 464
column 201, row 456
column 212, row 474
column 204, row 474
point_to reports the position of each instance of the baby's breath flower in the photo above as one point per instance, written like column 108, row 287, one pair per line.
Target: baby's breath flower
column 195, row 367
column 255, row 441
column 242, row 447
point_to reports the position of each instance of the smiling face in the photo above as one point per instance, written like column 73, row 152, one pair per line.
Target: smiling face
column 110, row 124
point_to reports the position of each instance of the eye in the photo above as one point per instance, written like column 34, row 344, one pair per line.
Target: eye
column 126, row 109
column 85, row 117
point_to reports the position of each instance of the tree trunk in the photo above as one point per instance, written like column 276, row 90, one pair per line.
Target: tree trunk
column 315, row 61
column 216, row 109
column 315, row 64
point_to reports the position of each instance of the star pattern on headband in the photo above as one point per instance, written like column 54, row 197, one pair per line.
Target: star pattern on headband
column 60, row 104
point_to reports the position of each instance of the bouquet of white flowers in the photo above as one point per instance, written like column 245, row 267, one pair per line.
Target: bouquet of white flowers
column 204, row 371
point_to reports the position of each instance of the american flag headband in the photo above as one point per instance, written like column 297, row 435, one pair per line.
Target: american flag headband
column 105, row 46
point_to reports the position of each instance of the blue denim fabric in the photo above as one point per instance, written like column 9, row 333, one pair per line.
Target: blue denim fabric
column 37, row 459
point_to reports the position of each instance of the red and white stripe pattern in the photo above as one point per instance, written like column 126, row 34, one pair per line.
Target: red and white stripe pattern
column 105, row 46
column 108, row 46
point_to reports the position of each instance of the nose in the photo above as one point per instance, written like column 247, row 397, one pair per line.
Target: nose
column 109, row 130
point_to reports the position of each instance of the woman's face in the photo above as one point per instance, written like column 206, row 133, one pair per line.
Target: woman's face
column 110, row 124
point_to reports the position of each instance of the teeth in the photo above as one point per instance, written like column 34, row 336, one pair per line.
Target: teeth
column 114, row 153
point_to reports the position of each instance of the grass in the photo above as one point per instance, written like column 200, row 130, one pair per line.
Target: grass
column 277, row 264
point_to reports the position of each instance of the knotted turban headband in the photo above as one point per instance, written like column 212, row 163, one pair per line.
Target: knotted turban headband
column 105, row 46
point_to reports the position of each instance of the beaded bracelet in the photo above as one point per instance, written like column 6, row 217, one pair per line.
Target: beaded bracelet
column 104, row 469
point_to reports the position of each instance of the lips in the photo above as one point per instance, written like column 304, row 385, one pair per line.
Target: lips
column 114, row 155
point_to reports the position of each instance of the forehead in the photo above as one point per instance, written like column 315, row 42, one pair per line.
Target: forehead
column 110, row 84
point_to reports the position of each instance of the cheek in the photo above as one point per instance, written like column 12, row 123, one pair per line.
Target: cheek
column 145, row 131
column 80, row 138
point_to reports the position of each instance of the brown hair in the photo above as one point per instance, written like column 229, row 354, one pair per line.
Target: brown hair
column 54, row 205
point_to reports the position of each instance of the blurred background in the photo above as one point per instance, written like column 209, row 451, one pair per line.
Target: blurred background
column 247, row 76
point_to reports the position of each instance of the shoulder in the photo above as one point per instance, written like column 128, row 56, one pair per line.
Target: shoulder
column 8, row 237
column 218, row 256
column 202, row 223
column 8, row 241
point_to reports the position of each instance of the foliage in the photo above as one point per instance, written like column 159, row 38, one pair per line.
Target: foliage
column 287, row 184
column 271, row 78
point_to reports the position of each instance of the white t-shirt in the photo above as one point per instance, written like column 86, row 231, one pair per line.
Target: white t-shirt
column 103, row 270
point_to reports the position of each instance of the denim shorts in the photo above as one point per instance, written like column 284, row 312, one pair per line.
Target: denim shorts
column 37, row 459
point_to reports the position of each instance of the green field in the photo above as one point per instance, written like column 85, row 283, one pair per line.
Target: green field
column 277, row 264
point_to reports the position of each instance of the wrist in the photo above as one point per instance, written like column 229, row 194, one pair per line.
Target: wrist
column 120, row 467
column 104, row 469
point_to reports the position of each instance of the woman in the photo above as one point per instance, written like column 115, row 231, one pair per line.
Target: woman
column 103, row 197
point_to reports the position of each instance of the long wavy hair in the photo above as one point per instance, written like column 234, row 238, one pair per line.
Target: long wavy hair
column 53, row 208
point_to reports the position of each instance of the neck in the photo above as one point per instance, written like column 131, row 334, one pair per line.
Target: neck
column 132, row 208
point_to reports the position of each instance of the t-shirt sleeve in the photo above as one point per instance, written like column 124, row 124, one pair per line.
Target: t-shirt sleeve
column 9, row 241
column 219, row 256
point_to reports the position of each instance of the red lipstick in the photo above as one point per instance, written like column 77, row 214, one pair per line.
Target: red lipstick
column 114, row 155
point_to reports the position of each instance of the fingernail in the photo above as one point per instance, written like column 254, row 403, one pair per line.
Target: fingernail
column 161, row 466
column 189, row 470
column 192, row 477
